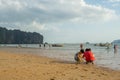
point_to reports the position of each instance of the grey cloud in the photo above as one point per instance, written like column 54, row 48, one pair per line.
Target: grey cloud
column 114, row 0
column 32, row 12
column 48, row 11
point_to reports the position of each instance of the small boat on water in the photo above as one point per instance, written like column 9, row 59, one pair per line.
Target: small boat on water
column 57, row 45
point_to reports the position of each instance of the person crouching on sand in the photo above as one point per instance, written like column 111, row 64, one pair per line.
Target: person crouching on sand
column 79, row 56
column 89, row 56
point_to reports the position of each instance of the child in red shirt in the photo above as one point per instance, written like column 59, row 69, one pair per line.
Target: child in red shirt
column 89, row 56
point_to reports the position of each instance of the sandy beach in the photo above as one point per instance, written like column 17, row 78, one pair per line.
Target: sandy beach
column 15, row 66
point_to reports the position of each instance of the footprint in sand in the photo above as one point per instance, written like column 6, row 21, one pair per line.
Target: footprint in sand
column 52, row 79
column 85, row 69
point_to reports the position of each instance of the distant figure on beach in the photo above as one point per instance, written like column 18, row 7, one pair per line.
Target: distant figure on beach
column 44, row 45
column 81, row 46
column 115, row 48
column 49, row 45
column 40, row 45
column 89, row 56
column 79, row 56
column 19, row 46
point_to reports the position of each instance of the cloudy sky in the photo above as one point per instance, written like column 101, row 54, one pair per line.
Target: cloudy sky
column 64, row 21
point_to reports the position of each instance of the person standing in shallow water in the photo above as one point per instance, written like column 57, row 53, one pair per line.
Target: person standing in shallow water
column 115, row 48
column 81, row 46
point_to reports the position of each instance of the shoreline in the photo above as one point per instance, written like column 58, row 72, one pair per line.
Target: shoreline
column 15, row 66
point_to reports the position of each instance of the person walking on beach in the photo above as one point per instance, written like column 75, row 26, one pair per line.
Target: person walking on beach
column 89, row 56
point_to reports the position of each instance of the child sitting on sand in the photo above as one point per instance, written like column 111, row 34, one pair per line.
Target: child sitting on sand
column 79, row 56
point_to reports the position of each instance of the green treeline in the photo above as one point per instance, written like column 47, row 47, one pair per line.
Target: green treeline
column 19, row 37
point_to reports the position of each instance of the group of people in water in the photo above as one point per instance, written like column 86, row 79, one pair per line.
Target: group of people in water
column 86, row 55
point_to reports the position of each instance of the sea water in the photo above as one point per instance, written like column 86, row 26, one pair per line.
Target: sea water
column 105, row 57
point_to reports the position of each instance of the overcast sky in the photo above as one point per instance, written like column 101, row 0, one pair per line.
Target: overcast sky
column 64, row 21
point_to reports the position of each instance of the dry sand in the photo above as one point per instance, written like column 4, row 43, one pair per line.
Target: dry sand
column 31, row 67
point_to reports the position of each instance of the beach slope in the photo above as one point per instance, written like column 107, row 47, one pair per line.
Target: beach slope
column 15, row 66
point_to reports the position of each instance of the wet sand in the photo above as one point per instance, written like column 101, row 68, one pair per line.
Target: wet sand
column 15, row 66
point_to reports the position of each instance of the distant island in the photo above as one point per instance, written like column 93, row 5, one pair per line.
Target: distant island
column 19, row 37
column 116, row 41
